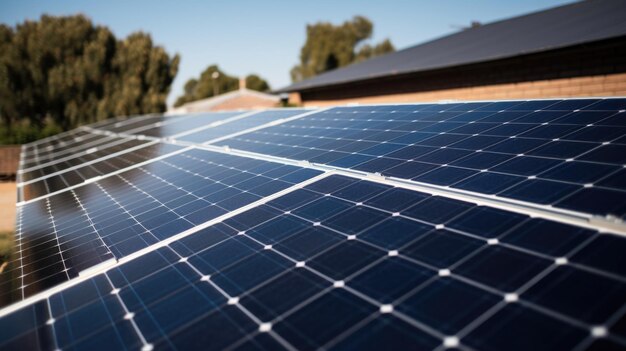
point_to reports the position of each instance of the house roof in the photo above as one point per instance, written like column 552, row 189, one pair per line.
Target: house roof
column 237, row 99
column 559, row 27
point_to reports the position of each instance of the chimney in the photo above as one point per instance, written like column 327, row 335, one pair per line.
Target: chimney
column 242, row 83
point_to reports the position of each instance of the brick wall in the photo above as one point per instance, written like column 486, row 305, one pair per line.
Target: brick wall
column 245, row 102
column 605, row 85
column 593, row 69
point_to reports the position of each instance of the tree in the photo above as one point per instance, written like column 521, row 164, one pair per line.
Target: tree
column 254, row 82
column 206, row 86
column 328, row 47
column 67, row 71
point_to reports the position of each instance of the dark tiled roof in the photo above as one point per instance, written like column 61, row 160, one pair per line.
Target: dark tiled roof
column 577, row 23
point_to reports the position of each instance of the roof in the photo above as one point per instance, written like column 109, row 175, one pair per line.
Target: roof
column 564, row 26
column 250, row 99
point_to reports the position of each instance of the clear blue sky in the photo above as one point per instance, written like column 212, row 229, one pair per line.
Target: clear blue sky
column 265, row 37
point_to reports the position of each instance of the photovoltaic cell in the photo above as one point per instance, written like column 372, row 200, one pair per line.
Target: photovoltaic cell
column 117, row 146
column 254, row 281
column 81, row 172
column 178, row 125
column 121, row 214
column 239, row 125
column 510, row 149
column 79, row 144
column 340, row 263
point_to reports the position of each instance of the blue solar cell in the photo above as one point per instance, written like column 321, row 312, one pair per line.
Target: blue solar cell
column 396, row 199
column 437, row 210
column 283, row 293
column 519, row 328
column 525, row 165
column 562, row 291
column 597, row 201
column 445, row 175
column 249, row 272
column 516, row 145
column 488, row 183
column 607, row 104
column 394, row 232
column 342, row 262
column 502, row 268
column 486, row 222
column 277, row 230
column 377, row 165
column 539, row 191
column 481, row 160
column 309, row 242
column 551, row 238
column 360, row 191
column 322, row 209
column 387, row 332
column 294, row 199
column 448, row 304
column 409, row 170
column 579, row 172
column 442, row 248
column 345, row 259
column 612, row 154
column 391, row 279
column 603, row 252
column 323, row 319
column 562, row 149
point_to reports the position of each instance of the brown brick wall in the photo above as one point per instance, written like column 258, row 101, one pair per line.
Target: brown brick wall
column 244, row 102
column 606, row 85
column 237, row 102
column 595, row 69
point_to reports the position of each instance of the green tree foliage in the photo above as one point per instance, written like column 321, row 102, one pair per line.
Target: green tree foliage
column 254, row 82
column 60, row 72
column 206, row 86
column 329, row 46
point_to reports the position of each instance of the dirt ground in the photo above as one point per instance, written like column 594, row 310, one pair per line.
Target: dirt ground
column 7, row 206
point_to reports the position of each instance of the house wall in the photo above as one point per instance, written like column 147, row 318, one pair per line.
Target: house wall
column 246, row 103
column 595, row 69
column 604, row 85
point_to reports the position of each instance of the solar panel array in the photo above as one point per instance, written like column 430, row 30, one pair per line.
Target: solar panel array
column 472, row 226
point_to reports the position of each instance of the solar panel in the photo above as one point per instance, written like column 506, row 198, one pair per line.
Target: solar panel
column 290, row 274
column 545, row 152
column 483, row 225
column 174, row 126
column 237, row 125
column 63, row 177
column 77, row 227
column 52, row 153
column 118, row 145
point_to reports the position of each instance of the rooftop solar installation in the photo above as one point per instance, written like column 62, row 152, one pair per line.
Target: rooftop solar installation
column 470, row 226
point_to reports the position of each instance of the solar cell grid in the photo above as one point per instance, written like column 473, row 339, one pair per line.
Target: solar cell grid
column 79, row 159
column 65, row 177
column 121, row 214
column 139, row 124
column 178, row 125
column 56, row 140
column 514, row 153
column 44, row 157
column 238, row 125
column 245, row 282
column 343, row 262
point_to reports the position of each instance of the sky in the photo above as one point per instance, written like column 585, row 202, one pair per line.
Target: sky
column 265, row 37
